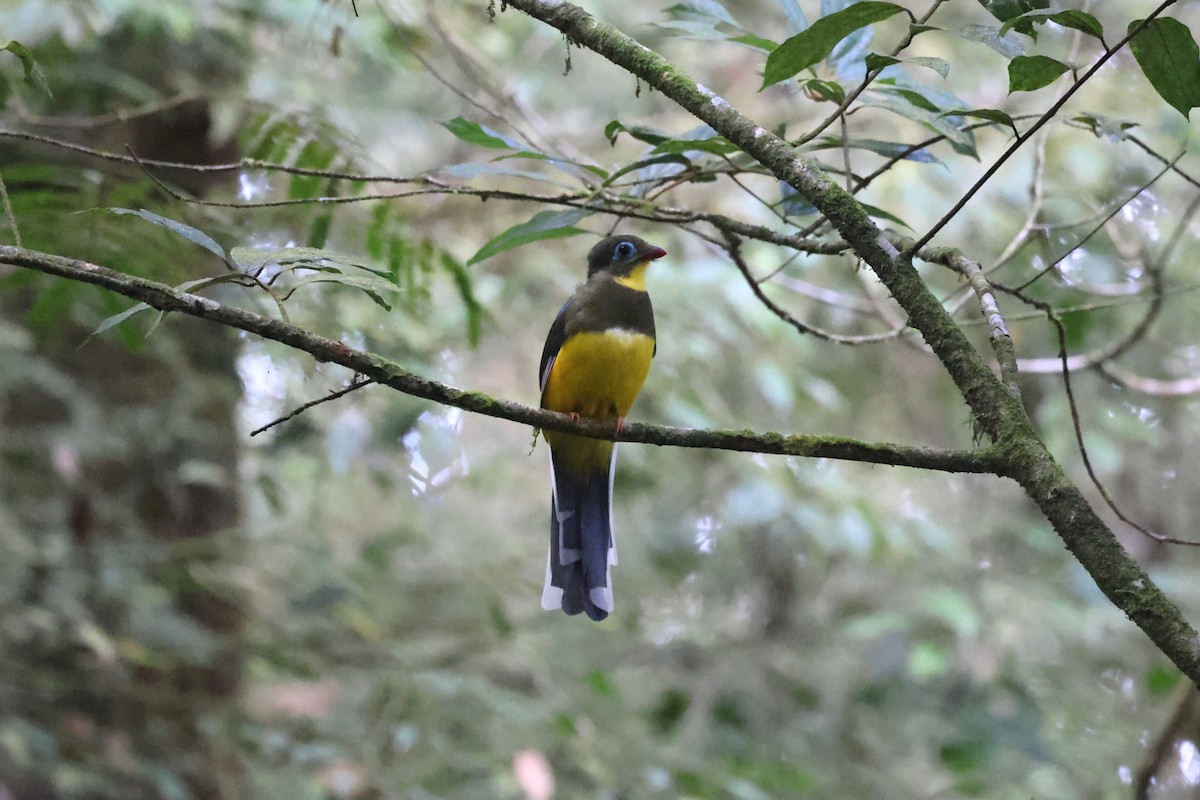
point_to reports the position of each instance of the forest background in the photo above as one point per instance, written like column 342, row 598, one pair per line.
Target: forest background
column 345, row 604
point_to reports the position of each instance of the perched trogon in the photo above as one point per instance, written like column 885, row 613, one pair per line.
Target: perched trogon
column 593, row 365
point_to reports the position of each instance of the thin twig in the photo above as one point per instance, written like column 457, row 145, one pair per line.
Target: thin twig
column 1100, row 225
column 1125, row 344
column 1046, row 117
column 357, row 382
column 733, row 247
column 1161, row 749
column 8, row 212
column 234, row 166
column 111, row 118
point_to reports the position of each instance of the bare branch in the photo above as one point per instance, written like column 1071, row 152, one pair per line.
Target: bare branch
column 356, row 383
column 234, row 166
column 8, row 213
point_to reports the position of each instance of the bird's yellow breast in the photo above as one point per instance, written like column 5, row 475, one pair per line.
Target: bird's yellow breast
column 596, row 374
column 599, row 374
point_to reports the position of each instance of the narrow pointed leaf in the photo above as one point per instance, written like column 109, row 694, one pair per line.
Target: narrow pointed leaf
column 717, row 145
column 542, row 225
column 1005, row 10
column 1071, row 18
column 875, row 61
column 816, row 43
column 642, row 134
column 990, row 114
column 466, row 292
column 474, row 133
column 178, row 228
column 33, row 73
column 117, row 319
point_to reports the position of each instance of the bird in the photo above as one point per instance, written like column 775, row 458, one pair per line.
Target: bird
column 596, row 358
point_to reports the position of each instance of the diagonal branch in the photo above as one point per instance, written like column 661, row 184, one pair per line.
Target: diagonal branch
column 997, row 413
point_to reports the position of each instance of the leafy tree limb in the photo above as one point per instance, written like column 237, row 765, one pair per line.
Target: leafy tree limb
column 997, row 412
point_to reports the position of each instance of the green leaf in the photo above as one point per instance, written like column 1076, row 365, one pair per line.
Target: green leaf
column 370, row 286
column 810, row 46
column 270, row 139
column 601, row 684
column 1106, row 127
column 874, row 61
column 376, row 230
column 938, row 65
column 965, row 756
column 563, row 164
column 1071, row 18
column 642, row 134
column 757, row 42
column 542, row 225
column 672, row 705
column 474, row 133
column 1161, row 679
column 990, row 114
column 117, row 319
column 875, row 211
column 1170, row 60
column 469, row 170
column 1029, row 73
column 886, row 149
column 912, row 95
column 186, row 286
column 878, row 62
column 823, row 91
column 717, row 145
column 33, row 73
column 314, row 155
column 670, row 158
column 1004, row 10
column 252, row 260
column 178, row 228
column 911, row 105
column 318, row 233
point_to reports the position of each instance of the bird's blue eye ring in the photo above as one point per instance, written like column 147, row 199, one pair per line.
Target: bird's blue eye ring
column 624, row 250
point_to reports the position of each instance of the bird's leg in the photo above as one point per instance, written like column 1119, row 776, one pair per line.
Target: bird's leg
column 620, row 424
column 574, row 415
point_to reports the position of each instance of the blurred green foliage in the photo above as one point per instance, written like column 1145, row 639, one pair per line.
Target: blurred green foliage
column 785, row 628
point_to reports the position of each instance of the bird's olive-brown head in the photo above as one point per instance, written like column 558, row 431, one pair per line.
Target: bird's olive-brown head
column 618, row 255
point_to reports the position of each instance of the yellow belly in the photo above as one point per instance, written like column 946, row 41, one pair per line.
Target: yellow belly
column 598, row 375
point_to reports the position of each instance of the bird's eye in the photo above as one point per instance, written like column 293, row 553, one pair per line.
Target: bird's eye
column 624, row 250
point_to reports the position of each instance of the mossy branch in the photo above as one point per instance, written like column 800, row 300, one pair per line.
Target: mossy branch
column 389, row 373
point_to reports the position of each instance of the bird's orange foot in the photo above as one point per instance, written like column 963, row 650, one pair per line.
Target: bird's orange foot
column 575, row 417
column 620, row 424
